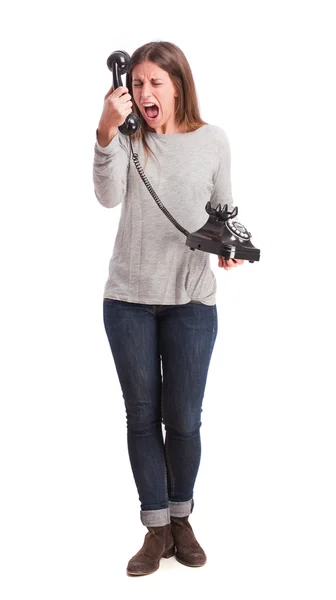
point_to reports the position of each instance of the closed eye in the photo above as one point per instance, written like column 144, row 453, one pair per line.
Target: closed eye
column 138, row 84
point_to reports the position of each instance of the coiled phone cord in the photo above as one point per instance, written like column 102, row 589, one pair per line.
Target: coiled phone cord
column 154, row 194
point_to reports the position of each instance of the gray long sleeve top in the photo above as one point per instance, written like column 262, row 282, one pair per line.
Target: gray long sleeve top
column 151, row 263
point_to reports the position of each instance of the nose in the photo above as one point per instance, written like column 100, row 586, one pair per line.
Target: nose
column 146, row 91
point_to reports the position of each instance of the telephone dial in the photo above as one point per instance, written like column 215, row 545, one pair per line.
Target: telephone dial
column 222, row 234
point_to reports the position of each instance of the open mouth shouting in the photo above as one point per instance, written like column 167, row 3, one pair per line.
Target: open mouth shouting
column 151, row 110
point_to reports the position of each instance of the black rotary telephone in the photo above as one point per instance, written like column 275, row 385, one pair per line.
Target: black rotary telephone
column 222, row 234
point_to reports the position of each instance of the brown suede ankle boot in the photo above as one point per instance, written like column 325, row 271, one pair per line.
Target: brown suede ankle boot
column 159, row 543
column 188, row 550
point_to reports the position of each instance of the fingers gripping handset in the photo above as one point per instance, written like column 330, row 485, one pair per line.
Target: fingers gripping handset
column 118, row 106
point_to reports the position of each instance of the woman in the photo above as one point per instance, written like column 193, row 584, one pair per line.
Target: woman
column 159, row 305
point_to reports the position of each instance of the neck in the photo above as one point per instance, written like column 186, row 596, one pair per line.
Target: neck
column 167, row 128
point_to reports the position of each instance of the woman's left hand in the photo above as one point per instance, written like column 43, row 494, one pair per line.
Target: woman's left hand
column 227, row 264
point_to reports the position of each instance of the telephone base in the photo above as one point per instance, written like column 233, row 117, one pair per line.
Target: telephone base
column 224, row 237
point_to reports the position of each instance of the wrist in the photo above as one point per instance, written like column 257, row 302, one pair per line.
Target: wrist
column 104, row 137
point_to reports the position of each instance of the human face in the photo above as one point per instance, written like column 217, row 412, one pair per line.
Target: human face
column 150, row 84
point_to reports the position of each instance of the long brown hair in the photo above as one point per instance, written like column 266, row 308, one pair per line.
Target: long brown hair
column 171, row 59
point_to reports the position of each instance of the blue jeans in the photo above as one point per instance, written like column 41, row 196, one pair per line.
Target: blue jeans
column 162, row 355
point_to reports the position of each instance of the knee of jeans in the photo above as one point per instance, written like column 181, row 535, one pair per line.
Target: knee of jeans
column 142, row 423
column 183, row 428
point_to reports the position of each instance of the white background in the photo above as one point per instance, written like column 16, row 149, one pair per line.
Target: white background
column 265, row 495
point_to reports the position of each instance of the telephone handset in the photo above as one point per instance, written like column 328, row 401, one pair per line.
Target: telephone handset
column 222, row 234
column 118, row 62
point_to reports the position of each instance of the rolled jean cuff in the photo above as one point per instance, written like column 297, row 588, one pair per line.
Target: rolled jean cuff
column 155, row 518
column 181, row 509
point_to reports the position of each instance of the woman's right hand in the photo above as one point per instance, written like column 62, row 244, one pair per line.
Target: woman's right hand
column 117, row 106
